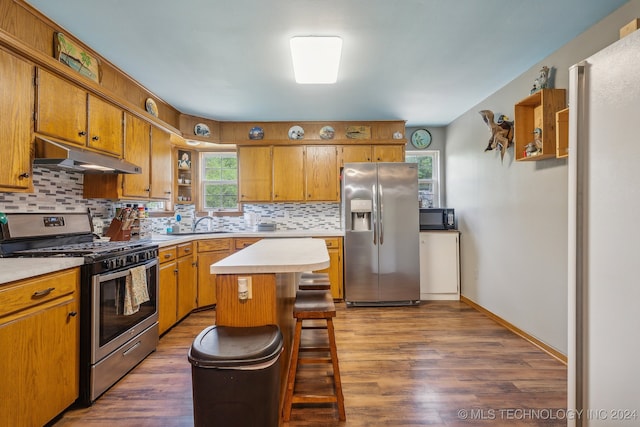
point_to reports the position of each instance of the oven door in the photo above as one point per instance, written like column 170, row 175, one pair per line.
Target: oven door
column 110, row 326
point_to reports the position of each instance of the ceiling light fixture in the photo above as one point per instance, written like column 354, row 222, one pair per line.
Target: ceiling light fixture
column 192, row 143
column 316, row 59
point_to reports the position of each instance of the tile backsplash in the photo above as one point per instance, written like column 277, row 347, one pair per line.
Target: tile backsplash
column 61, row 191
column 55, row 191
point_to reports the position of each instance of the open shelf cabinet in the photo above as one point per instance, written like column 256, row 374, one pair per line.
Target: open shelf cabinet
column 538, row 110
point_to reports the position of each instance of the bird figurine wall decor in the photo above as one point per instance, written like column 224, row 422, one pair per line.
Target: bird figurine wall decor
column 534, row 148
column 501, row 132
column 542, row 81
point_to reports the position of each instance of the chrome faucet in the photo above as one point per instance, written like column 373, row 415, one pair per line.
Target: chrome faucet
column 195, row 224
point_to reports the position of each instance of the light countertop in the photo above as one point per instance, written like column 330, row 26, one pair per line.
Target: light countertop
column 12, row 269
column 276, row 255
column 172, row 239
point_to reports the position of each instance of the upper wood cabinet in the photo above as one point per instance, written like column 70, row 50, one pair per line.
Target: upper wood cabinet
column 355, row 154
column 105, row 127
column 321, row 173
column 161, row 164
column 288, row 173
column 68, row 112
column 137, row 147
column 388, row 153
column 254, row 174
column 16, row 106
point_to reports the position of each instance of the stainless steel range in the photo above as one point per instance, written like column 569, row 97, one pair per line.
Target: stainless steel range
column 116, row 330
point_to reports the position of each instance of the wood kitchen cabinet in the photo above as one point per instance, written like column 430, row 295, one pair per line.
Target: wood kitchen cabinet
column 161, row 164
column 388, row 153
column 137, row 150
column 439, row 265
column 187, row 279
column 355, row 154
column 40, row 342
column 168, row 288
column 369, row 153
column 321, row 173
column 288, row 173
column 178, row 284
column 145, row 146
column 254, row 174
column 335, row 269
column 68, row 112
column 210, row 251
column 16, row 105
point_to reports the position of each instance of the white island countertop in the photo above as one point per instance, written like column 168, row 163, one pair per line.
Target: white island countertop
column 279, row 255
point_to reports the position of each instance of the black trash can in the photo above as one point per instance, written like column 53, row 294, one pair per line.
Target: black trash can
column 235, row 372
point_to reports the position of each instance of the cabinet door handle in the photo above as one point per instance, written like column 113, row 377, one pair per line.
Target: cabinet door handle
column 187, row 250
column 194, row 264
column 82, row 133
column 95, row 138
column 167, row 256
column 73, row 313
column 24, row 175
column 147, row 189
column 175, row 271
column 42, row 293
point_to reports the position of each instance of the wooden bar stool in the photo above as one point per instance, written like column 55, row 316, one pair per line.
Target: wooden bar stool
column 313, row 305
column 314, row 281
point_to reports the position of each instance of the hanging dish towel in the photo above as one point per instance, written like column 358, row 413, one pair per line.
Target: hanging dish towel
column 135, row 290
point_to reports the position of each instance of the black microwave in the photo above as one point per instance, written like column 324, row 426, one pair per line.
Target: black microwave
column 437, row 219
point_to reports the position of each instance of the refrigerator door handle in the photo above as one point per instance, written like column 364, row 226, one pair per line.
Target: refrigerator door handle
column 381, row 217
column 374, row 220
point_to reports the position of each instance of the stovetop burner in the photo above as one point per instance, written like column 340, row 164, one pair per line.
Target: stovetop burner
column 95, row 248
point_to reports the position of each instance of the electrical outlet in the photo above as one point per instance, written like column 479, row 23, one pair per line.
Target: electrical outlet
column 244, row 288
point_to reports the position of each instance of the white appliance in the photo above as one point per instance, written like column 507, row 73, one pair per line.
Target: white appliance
column 604, row 237
column 380, row 211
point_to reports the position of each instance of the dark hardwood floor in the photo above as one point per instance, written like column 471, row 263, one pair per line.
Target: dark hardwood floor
column 440, row 364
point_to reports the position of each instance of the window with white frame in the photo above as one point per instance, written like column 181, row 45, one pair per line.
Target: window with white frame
column 428, row 176
column 219, row 181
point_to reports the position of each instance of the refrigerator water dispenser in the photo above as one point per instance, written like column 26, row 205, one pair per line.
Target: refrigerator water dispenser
column 361, row 215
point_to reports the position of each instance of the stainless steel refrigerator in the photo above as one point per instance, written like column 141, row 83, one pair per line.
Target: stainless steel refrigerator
column 380, row 214
column 604, row 236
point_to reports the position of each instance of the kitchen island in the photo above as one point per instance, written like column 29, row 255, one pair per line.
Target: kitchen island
column 271, row 267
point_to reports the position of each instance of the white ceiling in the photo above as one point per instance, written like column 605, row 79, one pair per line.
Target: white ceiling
column 423, row 61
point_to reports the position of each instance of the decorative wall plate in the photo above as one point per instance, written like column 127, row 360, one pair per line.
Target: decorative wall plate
column 296, row 132
column 201, row 129
column 256, row 132
column 327, row 132
column 151, row 107
column 421, row 139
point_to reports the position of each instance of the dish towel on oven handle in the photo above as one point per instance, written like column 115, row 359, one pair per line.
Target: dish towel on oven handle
column 136, row 292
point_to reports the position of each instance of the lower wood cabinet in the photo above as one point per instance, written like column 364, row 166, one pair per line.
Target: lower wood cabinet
column 335, row 269
column 39, row 342
column 209, row 252
column 178, row 284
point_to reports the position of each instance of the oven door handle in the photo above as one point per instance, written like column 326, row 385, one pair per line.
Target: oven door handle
column 111, row 276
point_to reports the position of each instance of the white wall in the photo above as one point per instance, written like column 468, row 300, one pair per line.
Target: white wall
column 513, row 215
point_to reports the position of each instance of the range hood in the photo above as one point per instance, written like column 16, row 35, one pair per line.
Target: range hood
column 55, row 154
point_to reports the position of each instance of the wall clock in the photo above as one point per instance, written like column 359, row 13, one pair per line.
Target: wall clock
column 421, row 139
